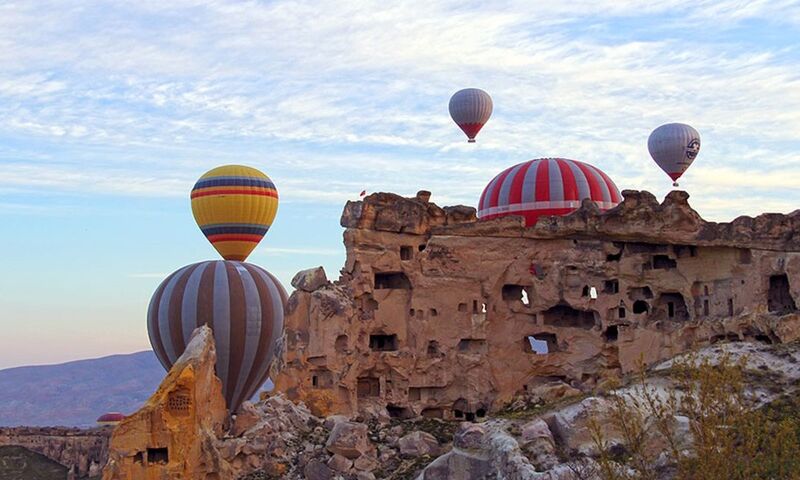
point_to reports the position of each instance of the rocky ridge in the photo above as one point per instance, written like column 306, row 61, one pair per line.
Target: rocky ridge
column 279, row 439
column 437, row 314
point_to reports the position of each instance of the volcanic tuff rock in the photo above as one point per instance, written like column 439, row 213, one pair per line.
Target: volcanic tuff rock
column 82, row 452
column 19, row 463
column 438, row 314
column 174, row 435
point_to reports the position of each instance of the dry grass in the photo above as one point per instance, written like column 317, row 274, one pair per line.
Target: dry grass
column 724, row 436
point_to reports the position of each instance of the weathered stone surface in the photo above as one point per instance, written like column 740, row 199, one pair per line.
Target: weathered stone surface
column 539, row 444
column 433, row 311
column 418, row 443
column 349, row 439
column 316, row 470
column 469, row 436
column 332, row 420
column 83, row 452
column 366, row 463
column 310, row 280
column 173, row 435
column 246, row 417
column 340, row 463
column 276, row 440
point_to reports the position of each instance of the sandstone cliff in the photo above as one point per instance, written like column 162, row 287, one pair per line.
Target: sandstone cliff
column 173, row 435
column 440, row 315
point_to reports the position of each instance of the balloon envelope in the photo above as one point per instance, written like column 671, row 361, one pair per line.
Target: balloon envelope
column 234, row 206
column 546, row 186
column 470, row 109
column 674, row 146
column 244, row 306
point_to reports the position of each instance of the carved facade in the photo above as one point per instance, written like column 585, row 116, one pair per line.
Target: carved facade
column 438, row 314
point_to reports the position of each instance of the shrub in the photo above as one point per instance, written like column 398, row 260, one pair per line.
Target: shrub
column 725, row 434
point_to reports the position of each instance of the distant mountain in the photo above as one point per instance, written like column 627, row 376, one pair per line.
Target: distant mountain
column 76, row 393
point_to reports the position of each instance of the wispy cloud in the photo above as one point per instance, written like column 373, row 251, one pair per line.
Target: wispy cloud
column 334, row 98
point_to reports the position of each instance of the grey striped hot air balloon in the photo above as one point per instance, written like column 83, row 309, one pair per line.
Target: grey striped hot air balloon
column 471, row 108
column 244, row 306
column 674, row 146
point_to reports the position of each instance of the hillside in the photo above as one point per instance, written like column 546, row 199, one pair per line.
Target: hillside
column 76, row 393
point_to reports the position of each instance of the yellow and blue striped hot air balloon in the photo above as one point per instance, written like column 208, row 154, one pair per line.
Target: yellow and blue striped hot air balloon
column 234, row 206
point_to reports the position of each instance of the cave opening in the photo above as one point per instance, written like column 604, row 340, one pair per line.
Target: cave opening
column 640, row 306
column 368, row 387
column 566, row 316
column 611, row 334
column 157, row 456
column 392, row 280
column 779, row 297
column 383, row 343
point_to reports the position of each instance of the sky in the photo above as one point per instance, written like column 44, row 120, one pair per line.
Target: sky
column 109, row 112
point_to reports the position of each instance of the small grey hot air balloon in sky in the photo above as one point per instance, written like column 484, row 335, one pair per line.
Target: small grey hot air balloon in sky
column 674, row 146
column 470, row 109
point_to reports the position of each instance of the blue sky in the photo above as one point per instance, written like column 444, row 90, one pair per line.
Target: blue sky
column 110, row 111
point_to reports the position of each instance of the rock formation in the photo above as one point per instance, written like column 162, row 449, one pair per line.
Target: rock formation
column 19, row 463
column 82, row 452
column 440, row 315
column 174, row 435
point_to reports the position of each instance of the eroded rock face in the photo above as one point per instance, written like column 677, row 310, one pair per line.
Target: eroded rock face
column 174, row 435
column 440, row 315
column 83, row 452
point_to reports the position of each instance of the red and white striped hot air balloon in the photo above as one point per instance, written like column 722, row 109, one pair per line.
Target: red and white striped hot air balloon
column 242, row 303
column 546, row 186
column 471, row 108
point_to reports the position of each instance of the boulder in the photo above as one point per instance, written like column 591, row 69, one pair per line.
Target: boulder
column 310, row 279
column 418, row 443
column 246, row 418
column 469, row 436
column 316, row 470
column 339, row 463
column 349, row 439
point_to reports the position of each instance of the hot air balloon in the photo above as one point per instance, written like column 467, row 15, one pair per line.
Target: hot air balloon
column 234, row 206
column 242, row 303
column 546, row 186
column 111, row 418
column 470, row 109
column 674, row 146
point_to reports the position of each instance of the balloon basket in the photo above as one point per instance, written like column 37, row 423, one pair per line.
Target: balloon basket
column 675, row 184
column 471, row 140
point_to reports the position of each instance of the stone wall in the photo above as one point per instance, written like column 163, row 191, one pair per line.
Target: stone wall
column 83, row 452
column 438, row 314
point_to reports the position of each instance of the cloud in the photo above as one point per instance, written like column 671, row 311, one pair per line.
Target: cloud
column 334, row 98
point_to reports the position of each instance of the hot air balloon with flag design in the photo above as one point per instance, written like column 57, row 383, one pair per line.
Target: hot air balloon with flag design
column 674, row 146
column 471, row 108
column 234, row 206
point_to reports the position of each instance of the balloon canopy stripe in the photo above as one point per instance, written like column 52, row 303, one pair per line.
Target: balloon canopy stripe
column 253, row 229
column 235, row 237
column 546, row 186
column 244, row 306
column 234, row 182
column 234, row 191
